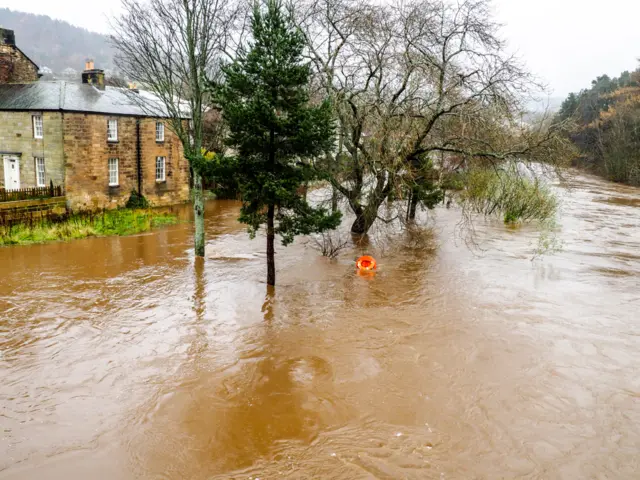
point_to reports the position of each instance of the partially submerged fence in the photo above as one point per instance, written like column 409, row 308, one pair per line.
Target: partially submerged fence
column 31, row 193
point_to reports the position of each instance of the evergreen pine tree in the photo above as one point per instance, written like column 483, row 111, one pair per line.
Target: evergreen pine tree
column 274, row 129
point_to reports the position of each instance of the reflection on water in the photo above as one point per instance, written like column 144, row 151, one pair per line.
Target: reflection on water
column 126, row 358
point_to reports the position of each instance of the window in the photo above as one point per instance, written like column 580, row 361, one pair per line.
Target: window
column 159, row 132
column 40, row 172
column 38, row 130
column 112, row 130
column 160, row 169
column 113, row 172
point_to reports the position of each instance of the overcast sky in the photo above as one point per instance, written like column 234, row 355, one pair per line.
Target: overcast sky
column 567, row 43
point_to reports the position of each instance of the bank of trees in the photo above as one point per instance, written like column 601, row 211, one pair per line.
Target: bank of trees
column 416, row 92
column 420, row 88
column 606, row 127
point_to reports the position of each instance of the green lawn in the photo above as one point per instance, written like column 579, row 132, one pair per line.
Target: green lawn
column 65, row 227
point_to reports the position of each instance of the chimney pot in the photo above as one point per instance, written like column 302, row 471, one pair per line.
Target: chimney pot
column 93, row 76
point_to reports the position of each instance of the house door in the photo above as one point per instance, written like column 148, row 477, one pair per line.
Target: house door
column 11, row 173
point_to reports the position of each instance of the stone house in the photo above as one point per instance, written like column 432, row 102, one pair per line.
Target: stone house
column 98, row 142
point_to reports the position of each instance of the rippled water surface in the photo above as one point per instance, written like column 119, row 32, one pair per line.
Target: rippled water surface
column 122, row 358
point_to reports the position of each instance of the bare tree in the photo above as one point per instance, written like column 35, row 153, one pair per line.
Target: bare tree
column 330, row 244
column 413, row 78
column 172, row 48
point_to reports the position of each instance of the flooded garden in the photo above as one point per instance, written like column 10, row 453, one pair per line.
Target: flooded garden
column 125, row 357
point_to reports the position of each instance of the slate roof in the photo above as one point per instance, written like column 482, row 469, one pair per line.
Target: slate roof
column 78, row 97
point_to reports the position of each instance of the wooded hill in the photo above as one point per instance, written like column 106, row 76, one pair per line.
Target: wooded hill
column 57, row 44
column 606, row 128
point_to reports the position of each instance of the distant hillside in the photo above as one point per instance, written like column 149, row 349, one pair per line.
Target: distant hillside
column 57, row 44
column 606, row 119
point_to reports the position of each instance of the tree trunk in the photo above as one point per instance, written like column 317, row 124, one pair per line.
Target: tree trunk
column 413, row 206
column 334, row 169
column 200, row 291
column 271, row 261
column 363, row 222
column 198, row 214
column 334, row 200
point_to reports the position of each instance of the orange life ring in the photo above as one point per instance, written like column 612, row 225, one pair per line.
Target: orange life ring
column 366, row 263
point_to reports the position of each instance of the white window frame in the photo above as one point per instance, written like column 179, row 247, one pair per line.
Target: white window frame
column 159, row 132
column 38, row 127
column 114, row 172
column 40, row 179
column 112, row 130
column 161, row 169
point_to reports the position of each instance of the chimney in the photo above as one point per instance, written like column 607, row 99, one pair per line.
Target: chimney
column 7, row 37
column 93, row 76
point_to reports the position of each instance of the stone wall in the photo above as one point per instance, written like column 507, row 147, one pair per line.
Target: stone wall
column 31, row 208
column 15, row 67
column 16, row 136
column 87, row 153
column 176, row 187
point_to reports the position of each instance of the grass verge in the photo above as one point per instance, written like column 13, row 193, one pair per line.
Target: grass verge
column 54, row 227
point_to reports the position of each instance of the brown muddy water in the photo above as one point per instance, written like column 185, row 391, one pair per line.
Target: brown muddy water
column 121, row 359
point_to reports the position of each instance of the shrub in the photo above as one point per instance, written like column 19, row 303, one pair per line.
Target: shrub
column 330, row 244
column 137, row 200
column 508, row 192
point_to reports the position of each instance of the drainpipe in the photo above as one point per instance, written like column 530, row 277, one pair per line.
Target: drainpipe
column 139, row 156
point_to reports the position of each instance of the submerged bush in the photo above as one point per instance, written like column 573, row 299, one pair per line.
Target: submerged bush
column 330, row 244
column 508, row 192
column 137, row 200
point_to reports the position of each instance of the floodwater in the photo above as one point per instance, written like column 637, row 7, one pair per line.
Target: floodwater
column 121, row 358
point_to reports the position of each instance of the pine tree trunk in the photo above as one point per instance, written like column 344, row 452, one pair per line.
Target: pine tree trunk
column 198, row 213
column 334, row 168
column 271, row 261
column 413, row 206
column 334, row 200
column 271, row 231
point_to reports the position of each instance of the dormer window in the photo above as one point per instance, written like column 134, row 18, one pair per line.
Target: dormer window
column 112, row 130
column 38, row 128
